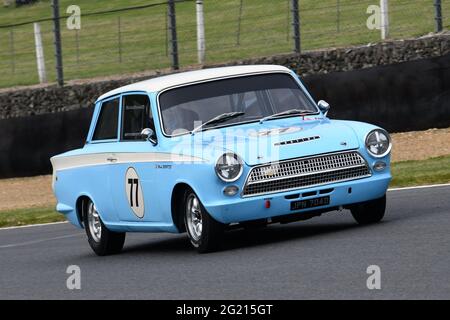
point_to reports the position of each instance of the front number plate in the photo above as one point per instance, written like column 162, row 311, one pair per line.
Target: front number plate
column 310, row 203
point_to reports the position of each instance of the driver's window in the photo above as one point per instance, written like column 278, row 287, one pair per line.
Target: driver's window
column 136, row 116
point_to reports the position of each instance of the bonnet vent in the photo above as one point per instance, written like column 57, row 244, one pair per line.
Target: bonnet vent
column 300, row 140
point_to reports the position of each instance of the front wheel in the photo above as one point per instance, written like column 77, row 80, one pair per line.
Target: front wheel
column 370, row 211
column 102, row 241
column 204, row 232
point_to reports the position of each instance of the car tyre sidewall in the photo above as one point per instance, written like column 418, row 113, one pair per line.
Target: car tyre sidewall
column 212, row 230
column 110, row 242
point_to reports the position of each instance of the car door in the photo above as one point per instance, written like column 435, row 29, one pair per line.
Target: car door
column 133, row 173
column 101, row 144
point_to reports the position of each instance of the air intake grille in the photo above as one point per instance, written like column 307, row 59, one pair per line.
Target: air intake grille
column 306, row 172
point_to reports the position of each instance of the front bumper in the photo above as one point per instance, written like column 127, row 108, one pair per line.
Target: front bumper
column 238, row 209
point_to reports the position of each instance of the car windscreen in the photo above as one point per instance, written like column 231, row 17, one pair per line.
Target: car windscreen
column 258, row 96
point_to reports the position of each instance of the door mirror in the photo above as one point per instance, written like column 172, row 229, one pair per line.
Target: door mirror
column 149, row 134
column 323, row 106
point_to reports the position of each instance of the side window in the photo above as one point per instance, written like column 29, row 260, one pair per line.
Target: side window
column 136, row 116
column 107, row 122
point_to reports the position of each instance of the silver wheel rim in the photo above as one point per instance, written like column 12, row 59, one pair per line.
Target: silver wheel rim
column 194, row 217
column 95, row 226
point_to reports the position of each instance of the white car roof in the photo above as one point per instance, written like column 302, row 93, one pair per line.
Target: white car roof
column 160, row 83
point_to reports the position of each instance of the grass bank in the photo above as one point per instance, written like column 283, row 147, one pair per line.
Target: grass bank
column 21, row 217
column 421, row 172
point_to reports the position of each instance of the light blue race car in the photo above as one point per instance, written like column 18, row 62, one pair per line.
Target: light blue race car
column 204, row 151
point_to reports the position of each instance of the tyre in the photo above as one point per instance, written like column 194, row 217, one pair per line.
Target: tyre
column 102, row 241
column 370, row 211
column 203, row 231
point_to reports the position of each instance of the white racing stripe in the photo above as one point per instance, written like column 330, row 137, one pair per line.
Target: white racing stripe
column 95, row 159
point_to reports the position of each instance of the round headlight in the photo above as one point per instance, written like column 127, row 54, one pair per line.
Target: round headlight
column 229, row 167
column 378, row 143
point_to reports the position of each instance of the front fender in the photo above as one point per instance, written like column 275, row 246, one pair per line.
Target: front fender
column 201, row 178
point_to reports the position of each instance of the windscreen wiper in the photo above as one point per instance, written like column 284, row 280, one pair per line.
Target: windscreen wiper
column 288, row 112
column 220, row 118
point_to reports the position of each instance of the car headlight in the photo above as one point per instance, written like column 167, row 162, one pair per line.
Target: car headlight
column 229, row 167
column 378, row 143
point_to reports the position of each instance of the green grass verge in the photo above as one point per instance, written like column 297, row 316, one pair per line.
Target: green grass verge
column 21, row 217
column 265, row 29
column 423, row 172
column 406, row 173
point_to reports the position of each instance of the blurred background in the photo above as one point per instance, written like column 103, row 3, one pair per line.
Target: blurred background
column 126, row 36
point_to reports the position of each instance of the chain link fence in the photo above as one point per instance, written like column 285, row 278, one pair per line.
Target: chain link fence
column 135, row 39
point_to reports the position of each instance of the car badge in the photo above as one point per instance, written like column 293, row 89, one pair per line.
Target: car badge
column 269, row 172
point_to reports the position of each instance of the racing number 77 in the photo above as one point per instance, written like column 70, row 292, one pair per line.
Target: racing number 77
column 135, row 190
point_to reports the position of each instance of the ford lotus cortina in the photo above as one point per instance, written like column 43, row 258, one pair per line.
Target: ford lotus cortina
column 205, row 151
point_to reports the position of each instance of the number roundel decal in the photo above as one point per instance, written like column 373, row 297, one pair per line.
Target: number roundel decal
column 133, row 190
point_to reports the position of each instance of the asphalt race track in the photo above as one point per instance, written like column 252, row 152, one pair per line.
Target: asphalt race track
column 325, row 257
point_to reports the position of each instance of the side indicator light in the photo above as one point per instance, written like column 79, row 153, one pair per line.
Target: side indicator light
column 230, row 190
column 379, row 166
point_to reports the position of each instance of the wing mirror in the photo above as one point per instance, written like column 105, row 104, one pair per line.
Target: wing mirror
column 323, row 106
column 149, row 134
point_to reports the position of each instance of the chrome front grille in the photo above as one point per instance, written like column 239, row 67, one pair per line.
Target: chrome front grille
column 305, row 172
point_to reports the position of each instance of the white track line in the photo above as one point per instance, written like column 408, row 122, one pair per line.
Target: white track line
column 33, row 225
column 420, row 187
column 390, row 189
column 21, row 244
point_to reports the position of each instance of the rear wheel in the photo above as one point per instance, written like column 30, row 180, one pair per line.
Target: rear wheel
column 101, row 240
column 370, row 211
column 204, row 232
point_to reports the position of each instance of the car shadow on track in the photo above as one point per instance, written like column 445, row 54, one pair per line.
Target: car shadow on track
column 280, row 233
column 240, row 238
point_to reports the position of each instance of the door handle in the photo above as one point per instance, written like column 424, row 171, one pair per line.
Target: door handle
column 111, row 159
